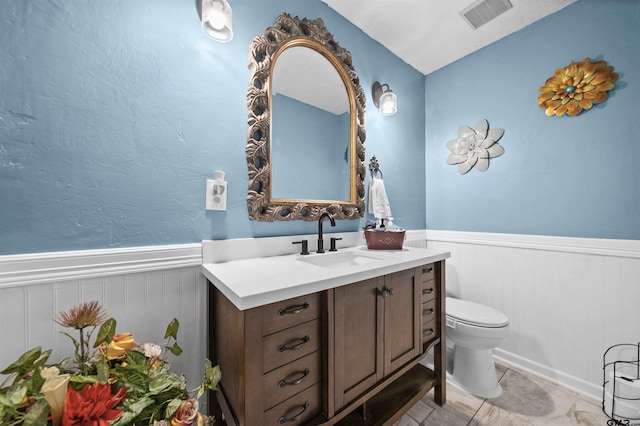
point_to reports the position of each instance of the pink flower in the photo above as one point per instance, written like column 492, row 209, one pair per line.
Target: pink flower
column 186, row 414
column 92, row 406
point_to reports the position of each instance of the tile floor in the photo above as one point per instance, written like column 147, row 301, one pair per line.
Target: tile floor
column 526, row 400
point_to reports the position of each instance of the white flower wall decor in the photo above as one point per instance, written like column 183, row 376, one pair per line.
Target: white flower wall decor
column 474, row 147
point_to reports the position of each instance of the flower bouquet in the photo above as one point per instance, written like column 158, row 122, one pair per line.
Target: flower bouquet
column 114, row 381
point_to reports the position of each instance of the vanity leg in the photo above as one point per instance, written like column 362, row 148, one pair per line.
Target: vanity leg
column 213, row 406
column 440, row 366
column 440, row 350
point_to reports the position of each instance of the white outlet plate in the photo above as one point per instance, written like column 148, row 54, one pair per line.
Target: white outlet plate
column 216, row 198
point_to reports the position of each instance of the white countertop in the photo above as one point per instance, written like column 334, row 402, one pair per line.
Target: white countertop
column 252, row 282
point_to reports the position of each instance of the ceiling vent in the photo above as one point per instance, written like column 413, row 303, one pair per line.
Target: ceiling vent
column 482, row 11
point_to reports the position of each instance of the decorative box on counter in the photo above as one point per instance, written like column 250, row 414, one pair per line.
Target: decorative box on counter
column 384, row 240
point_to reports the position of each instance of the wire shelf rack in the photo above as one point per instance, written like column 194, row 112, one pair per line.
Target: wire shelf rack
column 621, row 384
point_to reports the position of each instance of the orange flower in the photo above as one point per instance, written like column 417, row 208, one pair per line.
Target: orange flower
column 576, row 87
column 92, row 406
column 119, row 343
column 88, row 314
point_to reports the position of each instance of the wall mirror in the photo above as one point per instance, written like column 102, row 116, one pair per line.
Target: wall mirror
column 305, row 145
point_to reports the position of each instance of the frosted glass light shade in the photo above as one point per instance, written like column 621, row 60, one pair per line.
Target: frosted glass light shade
column 217, row 20
column 384, row 98
column 388, row 103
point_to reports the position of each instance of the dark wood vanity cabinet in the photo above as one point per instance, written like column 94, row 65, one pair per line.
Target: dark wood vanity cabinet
column 335, row 357
column 375, row 330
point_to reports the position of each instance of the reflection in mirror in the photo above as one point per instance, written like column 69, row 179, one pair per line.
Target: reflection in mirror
column 305, row 147
column 310, row 155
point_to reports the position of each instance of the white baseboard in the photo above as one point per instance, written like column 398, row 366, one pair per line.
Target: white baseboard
column 569, row 382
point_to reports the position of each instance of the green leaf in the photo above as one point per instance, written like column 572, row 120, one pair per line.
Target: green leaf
column 134, row 378
column 44, row 356
column 78, row 378
column 172, row 407
column 212, row 376
column 103, row 371
column 37, row 415
column 176, row 350
column 165, row 382
column 172, row 329
column 25, row 363
column 16, row 395
column 106, row 332
column 36, row 381
column 136, row 358
column 132, row 410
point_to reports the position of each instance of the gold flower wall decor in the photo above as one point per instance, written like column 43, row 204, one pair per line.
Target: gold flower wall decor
column 577, row 87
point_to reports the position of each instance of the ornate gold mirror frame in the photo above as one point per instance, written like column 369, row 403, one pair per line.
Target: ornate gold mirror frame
column 264, row 50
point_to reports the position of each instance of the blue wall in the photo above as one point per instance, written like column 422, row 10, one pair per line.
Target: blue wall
column 566, row 176
column 113, row 115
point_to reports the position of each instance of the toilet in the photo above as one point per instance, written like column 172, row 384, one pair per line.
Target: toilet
column 474, row 330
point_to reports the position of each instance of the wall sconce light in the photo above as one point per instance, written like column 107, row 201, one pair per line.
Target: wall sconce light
column 384, row 99
column 217, row 20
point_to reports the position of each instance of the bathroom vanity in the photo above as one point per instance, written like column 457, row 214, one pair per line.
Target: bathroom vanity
column 334, row 338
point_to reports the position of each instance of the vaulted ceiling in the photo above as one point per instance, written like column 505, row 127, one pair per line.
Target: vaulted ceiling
column 429, row 34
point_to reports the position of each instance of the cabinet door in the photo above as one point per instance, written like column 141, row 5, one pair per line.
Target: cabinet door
column 358, row 331
column 402, row 319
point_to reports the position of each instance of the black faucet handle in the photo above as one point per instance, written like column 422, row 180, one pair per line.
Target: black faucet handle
column 333, row 243
column 305, row 246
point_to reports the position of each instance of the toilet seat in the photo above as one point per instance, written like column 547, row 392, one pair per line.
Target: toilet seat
column 474, row 314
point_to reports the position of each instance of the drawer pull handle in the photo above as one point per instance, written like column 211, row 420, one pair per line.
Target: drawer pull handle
column 427, row 290
column 303, row 342
column 284, row 419
column 427, row 311
column 427, row 270
column 293, row 310
column 283, row 383
column 427, row 332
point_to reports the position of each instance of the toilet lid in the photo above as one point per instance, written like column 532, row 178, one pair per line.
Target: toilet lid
column 474, row 313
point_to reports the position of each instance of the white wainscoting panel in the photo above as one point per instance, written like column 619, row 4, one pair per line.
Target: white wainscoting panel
column 142, row 302
column 567, row 299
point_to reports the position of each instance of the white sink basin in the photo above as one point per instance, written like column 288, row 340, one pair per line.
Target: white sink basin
column 339, row 259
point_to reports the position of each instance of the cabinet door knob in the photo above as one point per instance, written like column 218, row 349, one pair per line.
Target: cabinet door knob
column 283, row 383
column 284, row 419
column 293, row 310
column 427, row 290
column 427, row 332
column 302, row 342
column 427, row 311
column 385, row 291
column 427, row 270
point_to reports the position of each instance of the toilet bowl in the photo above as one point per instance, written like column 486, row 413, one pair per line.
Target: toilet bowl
column 474, row 330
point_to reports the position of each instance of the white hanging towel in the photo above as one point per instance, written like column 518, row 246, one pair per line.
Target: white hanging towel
column 378, row 201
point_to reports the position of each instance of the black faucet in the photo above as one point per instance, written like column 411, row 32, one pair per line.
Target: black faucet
column 320, row 239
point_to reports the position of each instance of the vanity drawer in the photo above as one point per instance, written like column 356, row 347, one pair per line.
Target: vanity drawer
column 429, row 311
column 296, row 410
column 429, row 290
column 428, row 272
column 290, row 379
column 429, row 331
column 280, row 315
column 288, row 345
